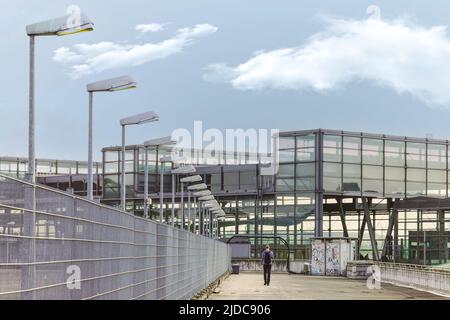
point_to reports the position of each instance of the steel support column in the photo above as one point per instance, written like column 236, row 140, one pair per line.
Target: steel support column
column 342, row 215
column 371, row 230
column 318, row 221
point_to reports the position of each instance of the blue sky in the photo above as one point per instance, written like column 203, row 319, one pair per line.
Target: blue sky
column 404, row 96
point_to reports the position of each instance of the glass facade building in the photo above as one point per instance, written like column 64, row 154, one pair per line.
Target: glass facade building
column 323, row 181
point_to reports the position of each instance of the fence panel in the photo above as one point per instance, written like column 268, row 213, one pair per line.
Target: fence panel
column 61, row 246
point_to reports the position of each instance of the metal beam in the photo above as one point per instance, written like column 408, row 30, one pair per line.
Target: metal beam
column 361, row 236
column 342, row 214
column 371, row 230
column 392, row 220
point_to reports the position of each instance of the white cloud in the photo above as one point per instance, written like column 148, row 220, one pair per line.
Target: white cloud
column 150, row 27
column 86, row 59
column 405, row 57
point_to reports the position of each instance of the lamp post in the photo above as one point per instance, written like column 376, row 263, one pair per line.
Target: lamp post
column 56, row 27
column 165, row 159
column 180, row 170
column 200, row 207
column 165, row 141
column 109, row 85
column 129, row 121
column 190, row 179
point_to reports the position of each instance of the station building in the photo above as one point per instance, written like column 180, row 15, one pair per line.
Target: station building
column 387, row 193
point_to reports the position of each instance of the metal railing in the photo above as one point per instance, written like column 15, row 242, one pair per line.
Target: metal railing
column 55, row 245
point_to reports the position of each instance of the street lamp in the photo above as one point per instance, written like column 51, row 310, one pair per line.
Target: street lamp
column 190, row 179
column 171, row 159
column 109, row 85
column 138, row 119
column 55, row 27
column 165, row 141
column 186, row 169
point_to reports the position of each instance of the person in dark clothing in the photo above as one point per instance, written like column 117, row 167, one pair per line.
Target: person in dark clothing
column 267, row 258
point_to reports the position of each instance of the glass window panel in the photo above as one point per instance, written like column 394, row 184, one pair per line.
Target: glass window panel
column 418, row 175
column 437, row 158
column 438, row 176
column 416, row 160
column 352, row 170
column 332, row 176
column 372, row 172
column 306, row 154
column 352, row 155
column 332, row 142
column 111, row 180
column 231, row 180
column 285, row 184
column 306, row 141
column 352, row 143
column 394, row 159
column 110, row 167
column 394, row 173
column 287, row 143
column 373, row 151
column 111, row 156
column 394, row 146
column 415, row 148
column 437, row 189
column 306, row 169
column 306, row 183
column 373, row 179
column 415, row 188
column 332, row 154
column 351, row 177
column 247, row 180
column 416, row 154
column 287, row 156
column 394, row 187
column 286, row 170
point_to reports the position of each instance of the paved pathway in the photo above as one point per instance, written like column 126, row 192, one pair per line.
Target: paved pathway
column 250, row 286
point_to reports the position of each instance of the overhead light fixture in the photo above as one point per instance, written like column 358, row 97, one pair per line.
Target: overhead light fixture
column 160, row 142
column 206, row 198
column 111, row 85
column 184, row 170
column 172, row 158
column 200, row 186
column 202, row 193
column 140, row 119
column 191, row 179
column 61, row 26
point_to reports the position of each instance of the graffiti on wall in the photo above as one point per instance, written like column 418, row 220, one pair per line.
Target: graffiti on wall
column 318, row 257
column 332, row 265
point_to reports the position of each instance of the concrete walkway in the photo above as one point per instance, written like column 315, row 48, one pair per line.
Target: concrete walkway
column 250, row 286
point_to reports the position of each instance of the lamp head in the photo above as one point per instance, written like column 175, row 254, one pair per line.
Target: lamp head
column 61, row 26
column 112, row 85
column 140, row 119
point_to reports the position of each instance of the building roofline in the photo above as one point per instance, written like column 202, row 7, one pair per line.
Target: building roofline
column 362, row 134
column 23, row 159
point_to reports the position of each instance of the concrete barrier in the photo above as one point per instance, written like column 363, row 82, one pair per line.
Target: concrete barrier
column 418, row 277
column 297, row 266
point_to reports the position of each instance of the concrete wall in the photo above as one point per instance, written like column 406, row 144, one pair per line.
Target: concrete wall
column 418, row 277
column 277, row 266
column 409, row 275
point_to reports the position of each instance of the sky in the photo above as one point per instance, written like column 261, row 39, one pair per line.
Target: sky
column 355, row 65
